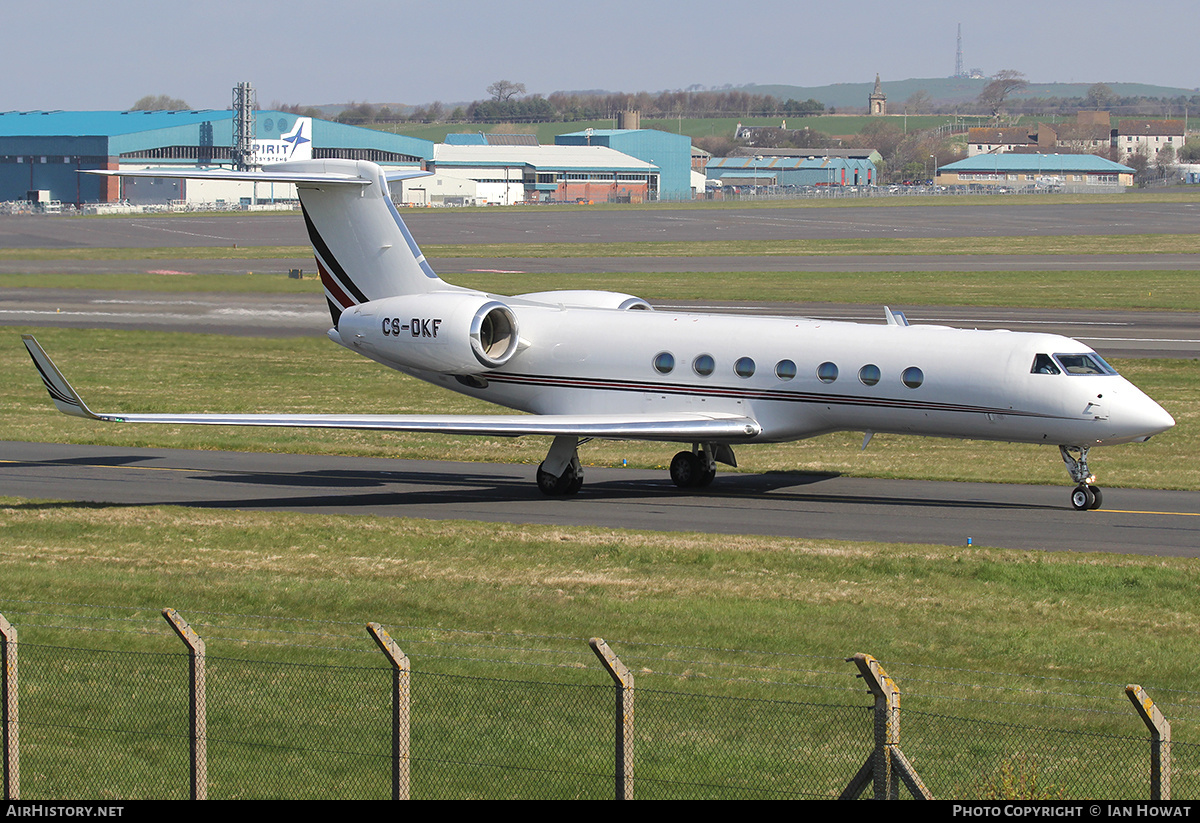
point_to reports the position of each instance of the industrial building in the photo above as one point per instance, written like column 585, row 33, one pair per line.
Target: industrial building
column 43, row 152
column 1058, row 172
column 792, row 171
column 670, row 153
column 510, row 174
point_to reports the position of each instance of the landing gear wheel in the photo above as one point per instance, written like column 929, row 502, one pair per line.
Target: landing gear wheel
column 568, row 483
column 686, row 470
column 1098, row 497
column 1083, row 498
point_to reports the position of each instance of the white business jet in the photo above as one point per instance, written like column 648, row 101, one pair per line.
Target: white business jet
column 595, row 364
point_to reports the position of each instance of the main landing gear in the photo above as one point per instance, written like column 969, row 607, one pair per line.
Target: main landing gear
column 693, row 470
column 1086, row 495
column 560, row 474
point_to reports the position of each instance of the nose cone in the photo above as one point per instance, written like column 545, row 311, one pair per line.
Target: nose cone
column 1140, row 418
column 1157, row 418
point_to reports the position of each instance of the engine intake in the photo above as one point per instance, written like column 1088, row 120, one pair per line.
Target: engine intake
column 450, row 332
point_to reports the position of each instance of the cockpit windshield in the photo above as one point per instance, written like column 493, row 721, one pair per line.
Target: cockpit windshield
column 1089, row 363
column 1042, row 364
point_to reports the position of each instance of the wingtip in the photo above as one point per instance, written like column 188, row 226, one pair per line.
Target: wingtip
column 65, row 398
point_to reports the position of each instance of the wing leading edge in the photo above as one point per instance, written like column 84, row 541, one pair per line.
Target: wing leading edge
column 670, row 427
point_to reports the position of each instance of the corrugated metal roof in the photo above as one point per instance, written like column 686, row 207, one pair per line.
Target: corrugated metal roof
column 100, row 123
column 790, row 163
column 1037, row 163
column 549, row 157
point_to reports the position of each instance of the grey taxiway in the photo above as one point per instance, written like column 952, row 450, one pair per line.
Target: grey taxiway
column 784, row 504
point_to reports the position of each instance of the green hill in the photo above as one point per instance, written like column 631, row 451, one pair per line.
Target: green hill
column 946, row 91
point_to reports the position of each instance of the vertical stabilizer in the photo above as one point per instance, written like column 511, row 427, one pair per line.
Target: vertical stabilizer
column 364, row 251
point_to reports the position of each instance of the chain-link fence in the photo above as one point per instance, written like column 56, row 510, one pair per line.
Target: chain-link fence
column 466, row 719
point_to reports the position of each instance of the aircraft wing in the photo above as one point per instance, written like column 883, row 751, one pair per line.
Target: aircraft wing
column 670, row 427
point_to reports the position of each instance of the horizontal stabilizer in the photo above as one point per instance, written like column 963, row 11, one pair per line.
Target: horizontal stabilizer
column 275, row 173
column 680, row 426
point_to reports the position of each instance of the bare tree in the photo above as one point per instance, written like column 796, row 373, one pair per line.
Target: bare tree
column 1100, row 96
column 160, row 102
column 1164, row 161
column 503, row 90
column 918, row 100
column 1004, row 83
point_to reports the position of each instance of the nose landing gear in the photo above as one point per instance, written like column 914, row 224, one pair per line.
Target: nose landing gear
column 1086, row 495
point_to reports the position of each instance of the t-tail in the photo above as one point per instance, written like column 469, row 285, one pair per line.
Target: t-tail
column 363, row 249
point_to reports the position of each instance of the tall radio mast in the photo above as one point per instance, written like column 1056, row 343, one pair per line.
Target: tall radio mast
column 958, row 61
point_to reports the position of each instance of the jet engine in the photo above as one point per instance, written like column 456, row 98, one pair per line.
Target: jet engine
column 449, row 332
column 589, row 299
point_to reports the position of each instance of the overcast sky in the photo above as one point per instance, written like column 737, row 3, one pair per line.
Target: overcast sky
column 69, row 54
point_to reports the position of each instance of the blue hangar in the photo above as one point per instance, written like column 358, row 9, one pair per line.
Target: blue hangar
column 44, row 150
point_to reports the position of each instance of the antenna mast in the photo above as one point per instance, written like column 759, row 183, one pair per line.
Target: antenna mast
column 243, row 127
column 958, row 61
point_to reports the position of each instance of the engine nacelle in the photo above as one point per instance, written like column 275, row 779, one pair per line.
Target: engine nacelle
column 451, row 332
column 589, row 299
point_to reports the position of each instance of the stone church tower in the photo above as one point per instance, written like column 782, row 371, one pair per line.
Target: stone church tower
column 877, row 100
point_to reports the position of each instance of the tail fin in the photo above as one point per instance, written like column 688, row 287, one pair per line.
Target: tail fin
column 363, row 249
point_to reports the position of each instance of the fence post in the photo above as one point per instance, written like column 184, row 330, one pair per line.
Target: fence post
column 9, row 716
column 1160, row 741
column 199, row 702
column 623, row 718
column 401, row 707
column 886, row 762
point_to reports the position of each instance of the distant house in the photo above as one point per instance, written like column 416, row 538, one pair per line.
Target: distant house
column 998, row 140
column 1154, row 135
column 1089, row 133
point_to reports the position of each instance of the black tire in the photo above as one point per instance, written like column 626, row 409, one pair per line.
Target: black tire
column 685, row 470
column 1098, row 495
column 1083, row 498
column 567, row 483
column 574, row 483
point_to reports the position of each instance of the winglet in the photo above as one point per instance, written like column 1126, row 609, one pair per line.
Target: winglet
column 65, row 397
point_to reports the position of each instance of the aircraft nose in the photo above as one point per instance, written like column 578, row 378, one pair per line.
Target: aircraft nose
column 1147, row 418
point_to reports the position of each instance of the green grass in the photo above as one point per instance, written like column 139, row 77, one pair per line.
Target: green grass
column 1014, row 643
column 971, row 246
column 1145, row 290
column 127, row 371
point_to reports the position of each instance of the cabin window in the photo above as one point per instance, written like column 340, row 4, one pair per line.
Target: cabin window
column 827, row 372
column 869, row 374
column 744, row 367
column 912, row 377
column 1087, row 363
column 704, row 365
column 1042, row 364
column 664, row 362
column 785, row 369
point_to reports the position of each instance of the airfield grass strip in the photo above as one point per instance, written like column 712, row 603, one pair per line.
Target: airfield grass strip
column 128, row 371
column 1147, row 290
column 1104, row 619
column 905, row 246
